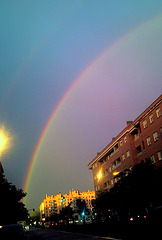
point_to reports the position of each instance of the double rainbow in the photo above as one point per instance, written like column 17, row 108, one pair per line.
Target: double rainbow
column 55, row 112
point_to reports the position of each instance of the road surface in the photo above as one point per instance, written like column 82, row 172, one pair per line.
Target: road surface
column 48, row 234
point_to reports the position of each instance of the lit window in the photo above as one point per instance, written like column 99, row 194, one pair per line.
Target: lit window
column 145, row 124
column 158, row 112
column 148, row 140
column 151, row 118
column 123, row 157
column 125, row 139
column 160, row 155
column 155, row 136
column 152, row 157
column 128, row 154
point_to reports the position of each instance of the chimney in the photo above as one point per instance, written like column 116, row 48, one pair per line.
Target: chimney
column 128, row 122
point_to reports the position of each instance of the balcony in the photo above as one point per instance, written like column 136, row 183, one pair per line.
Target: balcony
column 115, row 151
column 116, row 166
column 139, row 154
column 136, row 137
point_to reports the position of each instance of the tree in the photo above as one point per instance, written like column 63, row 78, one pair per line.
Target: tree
column 81, row 206
column 11, row 207
column 136, row 190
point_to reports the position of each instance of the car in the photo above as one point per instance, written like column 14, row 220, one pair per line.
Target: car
column 12, row 231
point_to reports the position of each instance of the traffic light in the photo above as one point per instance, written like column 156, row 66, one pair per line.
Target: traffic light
column 83, row 213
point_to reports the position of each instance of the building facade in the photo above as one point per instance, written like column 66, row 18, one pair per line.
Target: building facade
column 53, row 204
column 140, row 140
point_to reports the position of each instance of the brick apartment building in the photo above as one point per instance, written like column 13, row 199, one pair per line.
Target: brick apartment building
column 140, row 140
column 54, row 203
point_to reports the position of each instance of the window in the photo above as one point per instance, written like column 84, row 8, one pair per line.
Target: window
column 151, row 118
column 121, row 143
column 159, row 155
column 107, row 184
column 158, row 112
column 152, row 157
column 155, row 136
column 123, row 157
column 125, row 139
column 128, row 154
column 145, row 124
column 104, row 161
column 136, row 137
column 148, row 140
column 109, row 169
column 105, row 173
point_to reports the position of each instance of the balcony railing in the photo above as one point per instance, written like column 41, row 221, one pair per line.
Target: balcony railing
column 139, row 154
column 113, row 153
column 117, row 165
column 136, row 137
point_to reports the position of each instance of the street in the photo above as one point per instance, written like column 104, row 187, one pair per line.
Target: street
column 48, row 234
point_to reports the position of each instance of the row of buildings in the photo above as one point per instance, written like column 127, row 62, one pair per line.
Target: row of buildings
column 140, row 140
column 53, row 204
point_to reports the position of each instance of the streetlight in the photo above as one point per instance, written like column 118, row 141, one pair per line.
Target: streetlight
column 4, row 140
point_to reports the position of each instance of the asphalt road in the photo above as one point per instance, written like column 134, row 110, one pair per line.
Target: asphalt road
column 48, row 234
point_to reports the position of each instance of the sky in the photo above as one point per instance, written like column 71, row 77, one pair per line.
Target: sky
column 88, row 66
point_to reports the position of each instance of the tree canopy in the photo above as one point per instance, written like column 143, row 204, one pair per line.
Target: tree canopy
column 12, row 208
column 136, row 190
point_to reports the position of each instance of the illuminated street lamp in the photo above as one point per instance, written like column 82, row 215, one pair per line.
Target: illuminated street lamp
column 4, row 140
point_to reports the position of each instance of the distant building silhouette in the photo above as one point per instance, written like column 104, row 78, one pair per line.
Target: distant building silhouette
column 139, row 141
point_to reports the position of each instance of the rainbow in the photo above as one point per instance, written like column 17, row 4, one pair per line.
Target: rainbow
column 64, row 99
column 48, row 124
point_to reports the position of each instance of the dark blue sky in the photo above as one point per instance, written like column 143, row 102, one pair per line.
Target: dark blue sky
column 44, row 47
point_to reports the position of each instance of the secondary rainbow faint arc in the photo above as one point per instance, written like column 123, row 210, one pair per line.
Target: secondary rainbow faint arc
column 63, row 99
